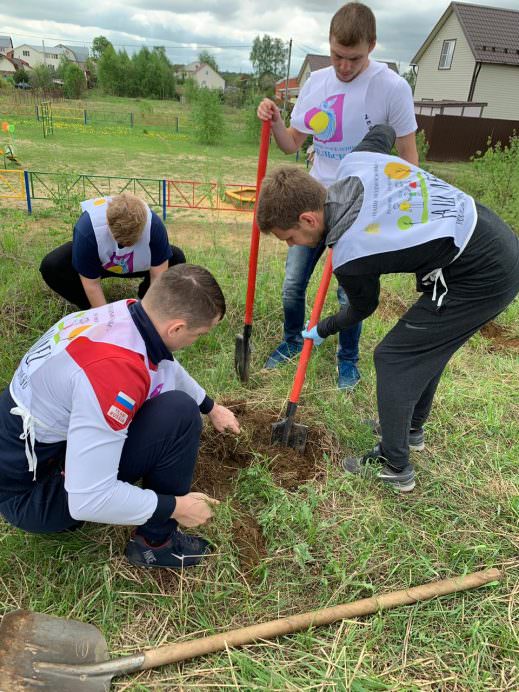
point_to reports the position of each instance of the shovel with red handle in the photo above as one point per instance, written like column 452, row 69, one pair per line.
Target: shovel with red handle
column 286, row 432
column 242, row 347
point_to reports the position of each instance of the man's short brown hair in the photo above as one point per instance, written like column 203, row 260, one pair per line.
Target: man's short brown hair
column 126, row 216
column 285, row 194
column 188, row 292
column 352, row 24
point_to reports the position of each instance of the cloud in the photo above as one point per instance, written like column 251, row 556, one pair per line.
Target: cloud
column 185, row 28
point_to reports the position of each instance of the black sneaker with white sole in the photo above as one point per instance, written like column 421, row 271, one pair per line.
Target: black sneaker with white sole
column 416, row 435
column 402, row 481
column 179, row 551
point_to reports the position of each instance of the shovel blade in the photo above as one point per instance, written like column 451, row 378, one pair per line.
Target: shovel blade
column 289, row 434
column 28, row 639
column 242, row 354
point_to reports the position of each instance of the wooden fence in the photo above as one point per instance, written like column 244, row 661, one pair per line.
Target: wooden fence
column 457, row 138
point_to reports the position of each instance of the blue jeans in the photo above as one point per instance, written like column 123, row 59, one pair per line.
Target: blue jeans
column 299, row 267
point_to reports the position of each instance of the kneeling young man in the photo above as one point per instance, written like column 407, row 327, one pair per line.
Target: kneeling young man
column 384, row 216
column 114, row 237
column 99, row 403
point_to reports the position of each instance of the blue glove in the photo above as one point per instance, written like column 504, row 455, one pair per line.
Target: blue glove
column 312, row 334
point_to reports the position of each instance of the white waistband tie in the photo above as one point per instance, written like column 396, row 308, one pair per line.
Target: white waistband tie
column 435, row 276
column 28, row 435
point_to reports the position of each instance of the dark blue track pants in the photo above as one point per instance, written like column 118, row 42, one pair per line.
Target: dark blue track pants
column 161, row 450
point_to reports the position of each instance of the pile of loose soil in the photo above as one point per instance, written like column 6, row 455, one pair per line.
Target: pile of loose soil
column 500, row 337
column 222, row 456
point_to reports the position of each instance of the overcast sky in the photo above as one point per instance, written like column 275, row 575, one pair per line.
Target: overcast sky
column 226, row 28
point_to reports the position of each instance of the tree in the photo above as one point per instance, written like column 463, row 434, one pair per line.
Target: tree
column 42, row 77
column 99, row 45
column 268, row 56
column 21, row 76
column 206, row 57
column 207, row 116
column 74, row 82
column 410, row 77
column 108, row 70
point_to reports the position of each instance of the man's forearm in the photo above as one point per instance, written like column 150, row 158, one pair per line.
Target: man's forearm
column 287, row 139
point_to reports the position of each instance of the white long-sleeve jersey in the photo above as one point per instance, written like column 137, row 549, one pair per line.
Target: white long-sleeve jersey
column 83, row 382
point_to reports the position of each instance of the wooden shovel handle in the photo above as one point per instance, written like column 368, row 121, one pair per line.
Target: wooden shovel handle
column 173, row 653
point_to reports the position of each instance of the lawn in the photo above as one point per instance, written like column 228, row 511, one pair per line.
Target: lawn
column 288, row 536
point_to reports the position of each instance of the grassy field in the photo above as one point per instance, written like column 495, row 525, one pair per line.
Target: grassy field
column 288, row 536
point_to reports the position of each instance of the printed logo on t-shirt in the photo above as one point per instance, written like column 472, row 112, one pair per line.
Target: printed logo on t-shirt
column 326, row 120
column 120, row 264
column 157, row 390
column 117, row 414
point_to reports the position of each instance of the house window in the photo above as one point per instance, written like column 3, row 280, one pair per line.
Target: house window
column 447, row 54
column 54, row 56
column 26, row 53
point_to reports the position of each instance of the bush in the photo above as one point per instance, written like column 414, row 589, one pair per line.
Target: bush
column 74, row 82
column 252, row 122
column 207, row 117
column 422, row 146
column 494, row 180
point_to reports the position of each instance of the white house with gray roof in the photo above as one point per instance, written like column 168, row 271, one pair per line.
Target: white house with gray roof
column 51, row 56
column 470, row 58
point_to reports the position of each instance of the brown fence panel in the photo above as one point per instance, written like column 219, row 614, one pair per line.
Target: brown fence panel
column 456, row 138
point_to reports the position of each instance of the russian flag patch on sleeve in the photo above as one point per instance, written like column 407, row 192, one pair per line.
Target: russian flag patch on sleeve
column 124, row 400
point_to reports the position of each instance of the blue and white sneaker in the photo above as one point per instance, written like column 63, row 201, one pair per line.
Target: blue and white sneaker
column 348, row 375
column 179, row 551
column 283, row 353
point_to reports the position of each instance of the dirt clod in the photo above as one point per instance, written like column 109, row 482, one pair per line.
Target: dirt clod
column 500, row 337
column 222, row 456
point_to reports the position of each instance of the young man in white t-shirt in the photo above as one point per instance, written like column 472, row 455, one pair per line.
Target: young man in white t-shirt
column 338, row 105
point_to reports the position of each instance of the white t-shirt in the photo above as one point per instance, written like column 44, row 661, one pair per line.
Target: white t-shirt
column 339, row 114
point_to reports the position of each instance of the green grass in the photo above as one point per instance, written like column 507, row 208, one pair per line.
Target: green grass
column 327, row 542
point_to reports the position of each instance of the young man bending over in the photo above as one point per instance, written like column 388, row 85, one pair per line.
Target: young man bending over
column 385, row 216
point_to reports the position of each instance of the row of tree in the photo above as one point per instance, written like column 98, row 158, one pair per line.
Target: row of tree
column 147, row 73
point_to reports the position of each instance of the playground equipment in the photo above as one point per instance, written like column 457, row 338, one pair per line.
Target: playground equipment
column 242, row 196
column 45, row 112
column 7, row 150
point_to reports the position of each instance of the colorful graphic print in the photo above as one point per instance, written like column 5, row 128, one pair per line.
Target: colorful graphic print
column 326, row 120
column 120, row 264
column 419, row 195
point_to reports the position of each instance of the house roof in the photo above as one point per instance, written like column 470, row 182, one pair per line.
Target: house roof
column 292, row 83
column 5, row 42
column 491, row 32
column 82, row 53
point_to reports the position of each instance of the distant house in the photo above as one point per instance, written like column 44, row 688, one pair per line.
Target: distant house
column 314, row 62
column 470, row 59
column 281, row 89
column 202, row 74
column 6, row 45
column 51, row 56
column 7, row 66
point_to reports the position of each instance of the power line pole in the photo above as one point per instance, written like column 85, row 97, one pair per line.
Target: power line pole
column 286, row 80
